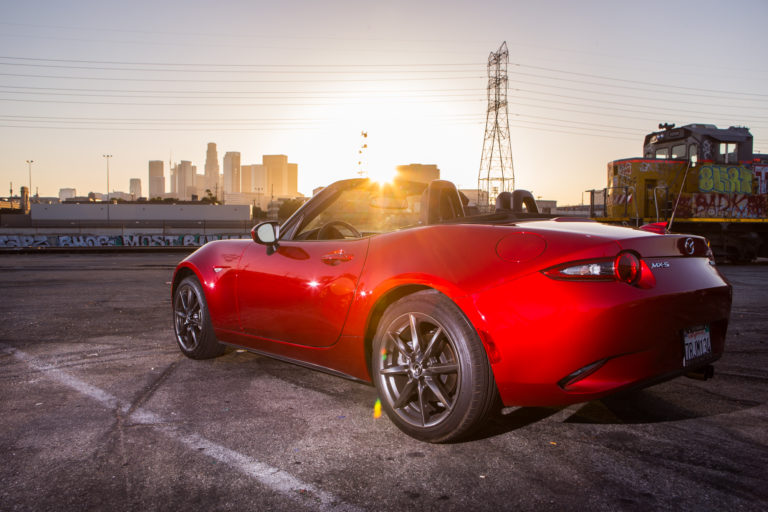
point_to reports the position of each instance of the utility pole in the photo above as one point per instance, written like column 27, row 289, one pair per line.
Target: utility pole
column 29, row 164
column 108, row 201
column 497, row 174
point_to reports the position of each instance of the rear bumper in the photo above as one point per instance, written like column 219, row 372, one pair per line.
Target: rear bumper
column 539, row 331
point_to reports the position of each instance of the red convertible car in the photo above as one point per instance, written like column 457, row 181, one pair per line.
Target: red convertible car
column 446, row 313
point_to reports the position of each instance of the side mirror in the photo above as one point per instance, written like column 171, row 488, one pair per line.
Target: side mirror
column 267, row 234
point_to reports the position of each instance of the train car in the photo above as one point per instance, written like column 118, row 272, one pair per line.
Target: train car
column 696, row 179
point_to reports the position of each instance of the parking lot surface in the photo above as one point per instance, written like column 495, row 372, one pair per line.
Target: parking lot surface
column 100, row 411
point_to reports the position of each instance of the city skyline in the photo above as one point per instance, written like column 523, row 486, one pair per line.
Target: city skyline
column 274, row 177
column 157, row 82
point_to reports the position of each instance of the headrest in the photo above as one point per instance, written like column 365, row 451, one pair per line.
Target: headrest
column 440, row 202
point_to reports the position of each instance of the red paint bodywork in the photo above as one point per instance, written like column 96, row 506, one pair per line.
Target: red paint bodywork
column 317, row 302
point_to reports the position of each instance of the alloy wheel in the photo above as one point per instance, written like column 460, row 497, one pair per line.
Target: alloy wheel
column 188, row 317
column 419, row 370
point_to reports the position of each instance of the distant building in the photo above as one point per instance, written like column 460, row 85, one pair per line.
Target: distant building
column 254, row 184
column 255, row 187
column 292, row 180
column 579, row 210
column 546, row 205
column 122, row 196
column 253, row 178
column 476, row 197
column 193, row 178
column 232, row 172
column 418, row 172
column 135, row 188
column 211, row 176
column 259, row 184
column 156, row 179
column 185, row 180
column 174, row 180
column 67, row 193
column 282, row 177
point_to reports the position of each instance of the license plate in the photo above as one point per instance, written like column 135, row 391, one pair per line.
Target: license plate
column 696, row 344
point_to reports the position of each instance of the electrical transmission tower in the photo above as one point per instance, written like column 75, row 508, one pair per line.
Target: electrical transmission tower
column 497, row 173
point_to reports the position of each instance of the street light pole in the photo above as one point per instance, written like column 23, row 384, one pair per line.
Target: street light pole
column 108, row 201
column 29, row 164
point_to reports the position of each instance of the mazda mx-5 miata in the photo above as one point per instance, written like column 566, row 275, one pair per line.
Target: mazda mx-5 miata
column 445, row 312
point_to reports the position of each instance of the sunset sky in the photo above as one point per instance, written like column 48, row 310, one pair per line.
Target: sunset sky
column 158, row 80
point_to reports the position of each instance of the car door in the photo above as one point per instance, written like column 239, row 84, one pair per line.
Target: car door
column 301, row 292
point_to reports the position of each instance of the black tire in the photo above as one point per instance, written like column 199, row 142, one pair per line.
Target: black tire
column 441, row 388
column 192, row 321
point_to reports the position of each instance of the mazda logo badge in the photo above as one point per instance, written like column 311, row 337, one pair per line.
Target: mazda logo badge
column 690, row 247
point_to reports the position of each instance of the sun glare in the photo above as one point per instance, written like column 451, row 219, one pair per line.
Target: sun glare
column 382, row 175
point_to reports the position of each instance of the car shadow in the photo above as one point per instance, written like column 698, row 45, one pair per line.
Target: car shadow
column 664, row 403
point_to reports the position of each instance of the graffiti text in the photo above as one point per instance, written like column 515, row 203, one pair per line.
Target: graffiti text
column 725, row 179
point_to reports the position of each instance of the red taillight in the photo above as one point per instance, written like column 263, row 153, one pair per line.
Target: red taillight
column 591, row 270
column 626, row 267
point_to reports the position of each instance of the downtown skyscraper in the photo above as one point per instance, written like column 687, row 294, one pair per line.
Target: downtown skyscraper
column 211, row 171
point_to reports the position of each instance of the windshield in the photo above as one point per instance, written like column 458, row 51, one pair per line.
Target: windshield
column 367, row 209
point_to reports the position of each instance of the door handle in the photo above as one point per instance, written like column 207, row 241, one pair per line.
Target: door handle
column 335, row 257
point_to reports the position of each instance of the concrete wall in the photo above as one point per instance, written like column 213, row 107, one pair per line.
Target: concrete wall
column 140, row 212
column 80, row 240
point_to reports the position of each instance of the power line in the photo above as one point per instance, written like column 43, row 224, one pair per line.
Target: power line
column 421, row 93
column 656, row 94
column 473, row 65
column 638, row 111
column 469, row 92
column 261, row 71
column 366, row 68
column 653, row 84
column 175, row 80
column 267, row 104
column 181, row 95
column 536, row 126
column 377, row 99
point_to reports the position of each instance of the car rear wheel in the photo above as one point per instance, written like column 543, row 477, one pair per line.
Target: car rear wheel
column 431, row 370
column 192, row 322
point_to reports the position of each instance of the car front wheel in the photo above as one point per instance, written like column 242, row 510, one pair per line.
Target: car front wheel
column 192, row 322
column 430, row 369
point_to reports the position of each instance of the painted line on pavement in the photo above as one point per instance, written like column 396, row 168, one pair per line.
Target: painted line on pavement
column 275, row 479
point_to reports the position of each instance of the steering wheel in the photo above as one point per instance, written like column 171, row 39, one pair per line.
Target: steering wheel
column 330, row 230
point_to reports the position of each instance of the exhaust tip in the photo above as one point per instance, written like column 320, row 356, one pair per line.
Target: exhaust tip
column 703, row 373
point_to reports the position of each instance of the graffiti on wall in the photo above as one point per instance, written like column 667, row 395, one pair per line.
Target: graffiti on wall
column 622, row 184
column 761, row 173
column 725, row 179
column 740, row 206
column 625, row 169
column 36, row 241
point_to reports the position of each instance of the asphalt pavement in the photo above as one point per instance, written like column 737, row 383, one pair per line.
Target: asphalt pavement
column 100, row 411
